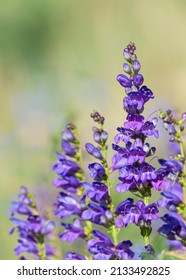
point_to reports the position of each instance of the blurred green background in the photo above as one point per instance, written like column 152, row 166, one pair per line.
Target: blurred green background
column 58, row 62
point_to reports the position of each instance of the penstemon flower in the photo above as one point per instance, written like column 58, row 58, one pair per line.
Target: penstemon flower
column 87, row 208
column 35, row 231
column 174, row 199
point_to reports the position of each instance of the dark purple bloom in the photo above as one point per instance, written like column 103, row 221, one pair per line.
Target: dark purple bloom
column 101, row 246
column 134, row 122
column 150, row 212
column 146, row 93
column 118, row 161
column 130, row 213
column 97, row 171
column 66, row 206
column 73, row 231
column 173, row 229
column 136, row 155
column 148, row 129
column 124, row 81
column 123, row 252
column 147, row 172
column 97, row 214
column 171, row 166
column 172, row 199
column 124, row 135
column 69, row 184
column 97, row 192
column 135, row 213
column 133, row 103
column 65, row 167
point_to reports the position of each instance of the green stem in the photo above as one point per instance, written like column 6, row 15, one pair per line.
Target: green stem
column 183, row 183
column 146, row 240
column 42, row 253
column 114, row 234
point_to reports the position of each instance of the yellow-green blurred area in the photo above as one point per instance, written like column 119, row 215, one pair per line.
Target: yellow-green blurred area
column 58, row 61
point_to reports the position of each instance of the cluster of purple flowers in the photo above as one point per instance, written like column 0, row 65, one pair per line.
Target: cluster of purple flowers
column 34, row 231
column 86, row 209
column 174, row 227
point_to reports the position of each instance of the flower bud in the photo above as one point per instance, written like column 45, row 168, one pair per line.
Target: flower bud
column 97, row 137
column 124, row 81
column 138, row 80
column 127, row 55
column 104, row 136
column 136, row 66
column 126, row 68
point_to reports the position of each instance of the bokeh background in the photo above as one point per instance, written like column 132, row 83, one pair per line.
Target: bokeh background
column 58, row 62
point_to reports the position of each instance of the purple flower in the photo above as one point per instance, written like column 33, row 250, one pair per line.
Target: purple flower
column 124, row 135
column 130, row 213
column 123, row 251
column 74, row 256
column 146, row 93
column 148, row 129
column 124, row 81
column 97, row 192
column 173, row 229
column 69, row 149
column 97, row 214
column 95, row 152
column 171, row 166
column 33, row 230
column 135, row 213
column 147, row 172
column 66, row 206
column 133, row 103
column 134, row 122
column 73, row 231
column 65, row 167
column 172, row 199
column 101, row 246
column 97, row 171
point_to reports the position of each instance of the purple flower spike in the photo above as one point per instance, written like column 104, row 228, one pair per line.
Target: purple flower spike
column 124, row 81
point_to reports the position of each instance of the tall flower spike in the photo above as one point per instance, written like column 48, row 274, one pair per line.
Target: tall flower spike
column 71, row 201
column 174, row 198
column 34, row 231
column 136, row 175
